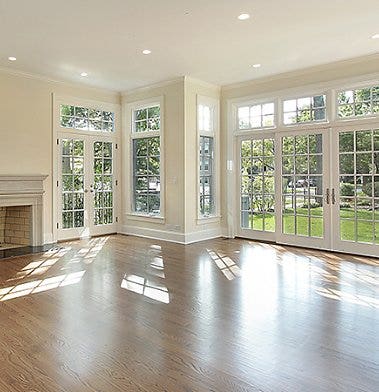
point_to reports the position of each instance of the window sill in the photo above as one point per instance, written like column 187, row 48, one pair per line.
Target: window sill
column 146, row 218
column 205, row 220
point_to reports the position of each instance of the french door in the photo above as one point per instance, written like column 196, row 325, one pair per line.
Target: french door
column 356, row 187
column 257, row 188
column 86, row 186
column 304, row 189
column 316, row 189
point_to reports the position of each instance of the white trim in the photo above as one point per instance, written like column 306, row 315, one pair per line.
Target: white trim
column 206, row 220
column 145, row 218
column 202, row 83
column 153, row 86
column 306, row 71
column 202, row 235
column 165, row 235
column 48, row 238
column 35, row 76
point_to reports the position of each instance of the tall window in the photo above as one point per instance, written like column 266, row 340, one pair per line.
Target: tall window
column 146, row 161
column 206, row 131
column 358, row 103
column 304, row 110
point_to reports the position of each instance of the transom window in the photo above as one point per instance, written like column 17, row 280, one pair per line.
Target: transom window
column 256, row 116
column 304, row 110
column 147, row 119
column 86, row 119
column 357, row 103
column 205, row 118
column 146, row 161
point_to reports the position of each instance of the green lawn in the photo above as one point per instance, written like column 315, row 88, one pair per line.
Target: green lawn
column 364, row 232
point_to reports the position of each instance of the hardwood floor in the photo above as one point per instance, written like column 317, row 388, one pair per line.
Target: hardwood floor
column 122, row 313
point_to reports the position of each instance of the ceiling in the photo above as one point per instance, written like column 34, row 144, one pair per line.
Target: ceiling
column 199, row 38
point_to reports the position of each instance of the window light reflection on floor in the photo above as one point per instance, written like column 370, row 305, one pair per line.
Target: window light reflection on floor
column 38, row 286
column 142, row 286
column 226, row 265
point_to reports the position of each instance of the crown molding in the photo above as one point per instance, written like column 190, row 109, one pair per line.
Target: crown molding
column 153, row 86
column 47, row 79
column 202, row 83
column 300, row 72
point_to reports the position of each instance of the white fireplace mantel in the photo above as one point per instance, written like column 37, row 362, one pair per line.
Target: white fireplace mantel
column 25, row 190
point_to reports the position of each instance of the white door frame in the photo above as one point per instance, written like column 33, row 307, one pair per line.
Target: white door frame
column 59, row 133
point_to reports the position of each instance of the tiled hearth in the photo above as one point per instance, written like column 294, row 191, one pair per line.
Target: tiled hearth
column 15, row 226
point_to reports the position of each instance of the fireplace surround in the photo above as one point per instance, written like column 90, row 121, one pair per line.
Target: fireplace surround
column 21, row 210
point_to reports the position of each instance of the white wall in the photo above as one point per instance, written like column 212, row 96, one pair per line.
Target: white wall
column 172, row 226
column 26, row 128
column 26, row 136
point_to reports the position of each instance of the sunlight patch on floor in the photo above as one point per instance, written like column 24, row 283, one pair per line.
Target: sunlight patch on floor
column 38, row 286
column 142, row 286
column 226, row 265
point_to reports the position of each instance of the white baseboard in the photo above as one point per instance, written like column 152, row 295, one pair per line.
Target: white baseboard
column 48, row 238
column 202, row 235
column 171, row 236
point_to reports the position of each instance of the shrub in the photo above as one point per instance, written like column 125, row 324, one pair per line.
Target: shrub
column 347, row 189
column 367, row 189
column 312, row 205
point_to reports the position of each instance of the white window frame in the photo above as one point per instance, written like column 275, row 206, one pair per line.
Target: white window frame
column 214, row 132
column 131, row 135
column 256, row 102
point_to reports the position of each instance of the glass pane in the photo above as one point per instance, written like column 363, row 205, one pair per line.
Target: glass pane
column 72, row 183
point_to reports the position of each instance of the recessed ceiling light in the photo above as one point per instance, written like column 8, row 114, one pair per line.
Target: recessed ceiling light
column 146, row 51
column 244, row 17
column 84, row 74
column 11, row 58
column 375, row 36
column 256, row 65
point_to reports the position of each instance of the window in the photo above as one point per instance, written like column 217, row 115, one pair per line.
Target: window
column 304, row 110
column 357, row 103
column 86, row 119
column 147, row 119
column 205, row 120
column 256, row 116
column 206, row 176
column 207, row 110
column 146, row 161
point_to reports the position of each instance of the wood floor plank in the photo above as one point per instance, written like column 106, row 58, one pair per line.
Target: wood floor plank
column 120, row 313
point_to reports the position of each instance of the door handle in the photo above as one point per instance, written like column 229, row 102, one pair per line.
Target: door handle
column 333, row 196
column 327, row 196
column 91, row 188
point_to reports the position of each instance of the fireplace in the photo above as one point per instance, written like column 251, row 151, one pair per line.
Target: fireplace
column 21, row 211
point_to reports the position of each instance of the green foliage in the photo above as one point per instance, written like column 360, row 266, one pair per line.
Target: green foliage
column 368, row 189
column 347, row 189
column 311, row 205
